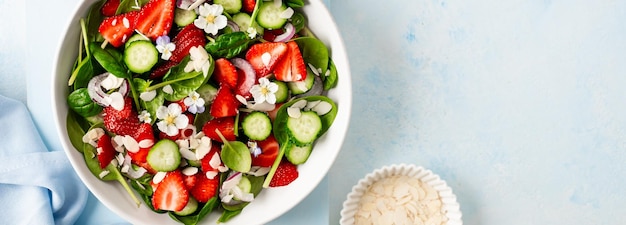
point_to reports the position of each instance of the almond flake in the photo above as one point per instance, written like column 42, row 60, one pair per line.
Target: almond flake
column 215, row 161
column 265, row 58
column 322, row 108
column 202, row 151
column 158, row 177
column 131, row 144
column 210, row 174
column 241, row 99
column 190, row 171
column 168, row 89
column 146, row 143
column 187, row 154
column 148, row 95
column 117, row 100
column 287, row 13
column 313, row 69
column 300, row 104
column 294, row 112
column 103, row 174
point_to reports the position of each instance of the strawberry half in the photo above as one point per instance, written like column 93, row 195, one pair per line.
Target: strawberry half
column 286, row 173
column 145, row 137
column 205, row 188
column 225, row 104
column 226, row 126
column 110, row 7
column 292, row 67
column 117, row 29
column 105, row 151
column 205, row 163
column 248, row 5
column 121, row 122
column 269, row 152
column 263, row 56
column 189, row 36
column 170, row 194
column 155, row 18
column 225, row 73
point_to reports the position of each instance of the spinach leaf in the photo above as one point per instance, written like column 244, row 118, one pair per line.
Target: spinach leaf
column 110, row 59
column 83, row 70
column 229, row 45
column 256, row 188
column 94, row 18
column 183, row 82
column 152, row 105
column 195, row 218
column 295, row 3
column 76, row 130
column 330, row 80
column 130, row 5
column 236, row 155
column 314, row 52
column 227, row 215
column 80, row 102
column 298, row 21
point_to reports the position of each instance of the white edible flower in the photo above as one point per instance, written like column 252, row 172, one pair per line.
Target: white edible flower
column 172, row 119
column 199, row 60
column 194, row 103
column 251, row 32
column 145, row 117
column 210, row 18
column 265, row 91
column 254, row 148
column 165, row 47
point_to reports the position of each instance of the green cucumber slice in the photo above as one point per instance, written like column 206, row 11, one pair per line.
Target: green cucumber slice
column 304, row 129
column 269, row 15
column 164, row 156
column 184, row 17
column 298, row 154
column 141, row 56
column 230, row 6
column 257, row 126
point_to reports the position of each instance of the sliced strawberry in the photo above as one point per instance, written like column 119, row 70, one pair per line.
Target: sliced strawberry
column 269, row 152
column 170, row 193
column 248, row 5
column 105, row 150
column 286, row 173
column 191, row 180
column 206, row 162
column 225, row 104
column 189, row 36
column 225, row 73
column 117, row 29
column 226, row 126
column 246, row 77
column 270, row 35
column 272, row 114
column 292, row 67
column 155, row 18
column 110, row 7
column 263, row 56
column 145, row 137
column 205, row 188
column 121, row 122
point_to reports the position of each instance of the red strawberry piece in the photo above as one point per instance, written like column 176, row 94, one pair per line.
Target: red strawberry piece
column 155, row 18
column 170, row 193
column 246, row 77
column 292, row 67
column 110, row 7
column 190, row 36
column 144, row 136
column 286, row 173
column 225, row 125
column 121, row 122
column 225, row 104
column 205, row 188
column 105, row 151
column 190, row 180
column 162, row 69
column 263, row 56
column 272, row 114
column 270, row 35
column 248, row 5
column 225, row 73
column 269, row 152
column 117, row 29
column 205, row 163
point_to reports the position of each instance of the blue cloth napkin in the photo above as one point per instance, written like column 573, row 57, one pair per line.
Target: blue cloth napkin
column 37, row 186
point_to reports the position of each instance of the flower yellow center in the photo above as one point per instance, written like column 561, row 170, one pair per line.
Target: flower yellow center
column 264, row 91
column 210, row 19
column 170, row 119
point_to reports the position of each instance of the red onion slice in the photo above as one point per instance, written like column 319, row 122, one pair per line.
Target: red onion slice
column 249, row 79
column 290, row 31
column 232, row 25
column 98, row 95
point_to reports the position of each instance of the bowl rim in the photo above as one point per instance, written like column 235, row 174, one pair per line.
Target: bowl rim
column 97, row 187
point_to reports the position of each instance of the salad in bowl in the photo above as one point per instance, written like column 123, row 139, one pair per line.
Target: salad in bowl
column 197, row 112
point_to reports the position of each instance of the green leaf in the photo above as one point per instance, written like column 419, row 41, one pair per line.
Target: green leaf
column 110, row 59
column 236, row 156
column 153, row 105
column 330, row 81
column 130, row 5
column 195, row 218
column 81, row 103
column 257, row 186
column 94, row 18
column 229, row 45
column 183, row 82
column 227, row 215
column 298, row 21
column 295, row 3
column 75, row 130
column 314, row 52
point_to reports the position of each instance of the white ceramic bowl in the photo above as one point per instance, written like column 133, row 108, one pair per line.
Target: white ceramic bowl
column 450, row 206
column 271, row 203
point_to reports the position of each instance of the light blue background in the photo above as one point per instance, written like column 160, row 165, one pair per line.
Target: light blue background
column 518, row 105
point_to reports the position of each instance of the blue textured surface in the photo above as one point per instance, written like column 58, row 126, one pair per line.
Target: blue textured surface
column 518, row 105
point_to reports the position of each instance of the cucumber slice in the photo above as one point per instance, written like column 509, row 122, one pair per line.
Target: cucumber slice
column 184, row 17
column 164, row 156
column 298, row 154
column 230, row 6
column 135, row 37
column 243, row 20
column 257, row 126
column 141, row 56
column 269, row 15
column 191, row 207
column 304, row 129
column 245, row 185
column 282, row 94
column 300, row 87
